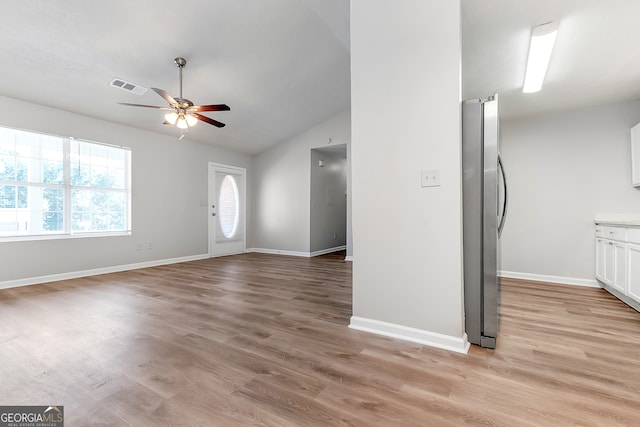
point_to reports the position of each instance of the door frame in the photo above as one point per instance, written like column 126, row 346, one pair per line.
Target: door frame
column 212, row 167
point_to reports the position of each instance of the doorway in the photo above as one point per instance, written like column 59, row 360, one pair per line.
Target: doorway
column 227, row 204
column 328, row 219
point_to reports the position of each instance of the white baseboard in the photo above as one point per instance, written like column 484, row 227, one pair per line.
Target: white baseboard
column 94, row 272
column 419, row 336
column 328, row 250
column 591, row 283
column 295, row 253
column 348, row 258
column 277, row 252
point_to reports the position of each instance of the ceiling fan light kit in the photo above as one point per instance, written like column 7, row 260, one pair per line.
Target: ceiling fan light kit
column 191, row 120
column 171, row 118
column 182, row 113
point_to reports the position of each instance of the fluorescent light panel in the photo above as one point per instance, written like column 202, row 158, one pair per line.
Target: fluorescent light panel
column 543, row 38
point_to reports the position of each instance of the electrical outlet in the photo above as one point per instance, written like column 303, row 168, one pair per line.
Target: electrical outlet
column 430, row 178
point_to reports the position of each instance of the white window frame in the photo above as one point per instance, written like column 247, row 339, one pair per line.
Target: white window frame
column 68, row 233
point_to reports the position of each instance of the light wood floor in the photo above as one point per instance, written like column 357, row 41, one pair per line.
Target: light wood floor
column 263, row 340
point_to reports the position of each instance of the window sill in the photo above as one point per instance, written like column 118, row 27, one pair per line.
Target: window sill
column 29, row 238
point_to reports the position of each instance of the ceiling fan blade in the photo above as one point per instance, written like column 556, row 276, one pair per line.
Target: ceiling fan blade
column 147, row 106
column 166, row 96
column 208, row 120
column 216, row 107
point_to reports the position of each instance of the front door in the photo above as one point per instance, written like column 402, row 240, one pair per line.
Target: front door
column 226, row 210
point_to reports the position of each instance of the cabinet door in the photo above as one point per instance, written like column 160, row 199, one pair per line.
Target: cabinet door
column 633, row 269
column 609, row 262
column 600, row 243
column 620, row 267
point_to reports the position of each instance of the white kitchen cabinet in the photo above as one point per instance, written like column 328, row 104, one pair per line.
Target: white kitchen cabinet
column 615, row 233
column 614, row 261
column 635, row 155
column 620, row 268
column 633, row 276
column 609, row 262
column 618, row 261
column 600, row 245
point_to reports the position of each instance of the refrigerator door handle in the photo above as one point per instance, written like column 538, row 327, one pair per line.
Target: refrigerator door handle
column 504, row 202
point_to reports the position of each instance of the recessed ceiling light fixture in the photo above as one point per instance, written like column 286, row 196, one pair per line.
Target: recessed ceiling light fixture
column 543, row 37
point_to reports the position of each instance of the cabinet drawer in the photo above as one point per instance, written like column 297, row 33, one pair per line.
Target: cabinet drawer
column 615, row 233
column 599, row 230
column 633, row 234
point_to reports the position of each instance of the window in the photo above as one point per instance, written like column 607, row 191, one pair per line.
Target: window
column 229, row 212
column 55, row 186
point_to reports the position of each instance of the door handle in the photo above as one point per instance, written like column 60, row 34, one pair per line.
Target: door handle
column 504, row 203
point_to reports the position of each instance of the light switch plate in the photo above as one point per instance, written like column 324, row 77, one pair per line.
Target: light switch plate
column 430, row 178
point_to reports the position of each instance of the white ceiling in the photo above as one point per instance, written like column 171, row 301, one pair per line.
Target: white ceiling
column 283, row 65
column 596, row 59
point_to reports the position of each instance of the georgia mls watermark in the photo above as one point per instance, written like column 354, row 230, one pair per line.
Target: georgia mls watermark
column 31, row 416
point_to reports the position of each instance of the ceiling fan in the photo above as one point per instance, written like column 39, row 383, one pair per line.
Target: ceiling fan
column 182, row 112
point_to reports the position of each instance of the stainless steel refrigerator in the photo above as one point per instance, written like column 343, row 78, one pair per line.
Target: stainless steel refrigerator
column 484, row 213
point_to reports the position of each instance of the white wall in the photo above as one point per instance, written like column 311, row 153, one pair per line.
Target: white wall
column 561, row 169
column 169, row 182
column 282, row 187
column 405, row 103
column 328, row 216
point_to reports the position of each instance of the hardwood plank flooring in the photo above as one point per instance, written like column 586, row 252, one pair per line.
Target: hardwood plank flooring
column 261, row 339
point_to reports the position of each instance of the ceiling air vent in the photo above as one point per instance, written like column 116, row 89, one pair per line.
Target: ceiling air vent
column 128, row 86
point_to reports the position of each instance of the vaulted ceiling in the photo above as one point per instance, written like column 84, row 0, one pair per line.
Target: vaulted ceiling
column 283, row 65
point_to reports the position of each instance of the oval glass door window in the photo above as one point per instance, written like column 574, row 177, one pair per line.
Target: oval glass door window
column 228, row 207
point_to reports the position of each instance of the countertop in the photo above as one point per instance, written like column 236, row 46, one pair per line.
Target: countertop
column 632, row 219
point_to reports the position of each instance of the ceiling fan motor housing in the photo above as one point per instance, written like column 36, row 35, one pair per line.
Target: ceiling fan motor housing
column 184, row 103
